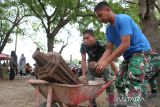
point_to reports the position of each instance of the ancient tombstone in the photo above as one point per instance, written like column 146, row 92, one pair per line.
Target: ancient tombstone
column 52, row 68
column 92, row 67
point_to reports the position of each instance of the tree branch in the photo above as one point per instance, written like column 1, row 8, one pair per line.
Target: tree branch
column 158, row 22
column 158, row 8
column 130, row 2
column 36, row 14
column 146, row 12
column 60, row 24
column 85, row 15
column 63, row 46
column 16, row 21
column 42, row 5
column 78, row 4
column 56, row 11
column 7, row 19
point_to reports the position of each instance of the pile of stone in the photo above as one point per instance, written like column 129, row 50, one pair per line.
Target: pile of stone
column 51, row 67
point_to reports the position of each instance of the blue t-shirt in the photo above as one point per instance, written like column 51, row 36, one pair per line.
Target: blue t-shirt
column 124, row 25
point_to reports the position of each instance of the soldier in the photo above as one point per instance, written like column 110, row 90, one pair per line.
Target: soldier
column 124, row 33
column 95, row 49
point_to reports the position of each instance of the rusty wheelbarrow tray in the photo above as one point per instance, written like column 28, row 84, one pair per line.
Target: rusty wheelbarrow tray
column 66, row 93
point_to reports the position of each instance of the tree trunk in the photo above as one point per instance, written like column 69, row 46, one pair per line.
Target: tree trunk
column 1, row 72
column 149, row 23
column 50, row 42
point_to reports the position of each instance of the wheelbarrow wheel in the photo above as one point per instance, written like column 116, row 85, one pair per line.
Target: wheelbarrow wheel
column 53, row 104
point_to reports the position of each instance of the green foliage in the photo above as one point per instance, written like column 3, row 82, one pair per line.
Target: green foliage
column 130, row 8
column 100, row 35
column 60, row 12
column 58, row 7
column 6, row 16
column 89, row 20
column 11, row 14
column 133, row 11
column 116, row 7
column 79, row 13
column 69, row 4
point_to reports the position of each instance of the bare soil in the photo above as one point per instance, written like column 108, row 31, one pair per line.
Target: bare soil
column 17, row 93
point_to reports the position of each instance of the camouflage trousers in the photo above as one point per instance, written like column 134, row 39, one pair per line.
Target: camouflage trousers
column 133, row 76
column 107, row 76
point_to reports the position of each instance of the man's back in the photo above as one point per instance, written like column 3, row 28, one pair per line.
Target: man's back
column 124, row 25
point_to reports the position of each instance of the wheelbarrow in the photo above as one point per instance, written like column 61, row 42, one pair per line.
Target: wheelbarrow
column 71, row 95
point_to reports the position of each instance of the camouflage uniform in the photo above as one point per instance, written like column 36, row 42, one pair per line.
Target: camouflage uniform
column 94, row 54
column 134, row 74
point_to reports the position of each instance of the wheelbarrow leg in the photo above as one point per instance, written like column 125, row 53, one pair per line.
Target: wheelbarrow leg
column 37, row 96
column 49, row 96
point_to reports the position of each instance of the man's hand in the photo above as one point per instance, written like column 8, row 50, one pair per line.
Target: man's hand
column 92, row 66
column 83, row 79
column 101, row 66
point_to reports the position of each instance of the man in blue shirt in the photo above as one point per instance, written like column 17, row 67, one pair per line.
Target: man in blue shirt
column 124, row 33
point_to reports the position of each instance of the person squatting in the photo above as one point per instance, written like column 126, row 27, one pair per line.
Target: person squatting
column 95, row 49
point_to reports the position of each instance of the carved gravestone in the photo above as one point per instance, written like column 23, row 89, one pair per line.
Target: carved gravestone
column 92, row 69
column 52, row 68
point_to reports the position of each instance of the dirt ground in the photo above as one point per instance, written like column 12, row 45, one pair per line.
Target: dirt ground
column 17, row 93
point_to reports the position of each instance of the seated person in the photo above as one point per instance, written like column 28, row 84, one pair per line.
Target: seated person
column 28, row 68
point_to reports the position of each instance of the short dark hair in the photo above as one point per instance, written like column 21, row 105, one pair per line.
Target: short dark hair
column 100, row 5
column 90, row 31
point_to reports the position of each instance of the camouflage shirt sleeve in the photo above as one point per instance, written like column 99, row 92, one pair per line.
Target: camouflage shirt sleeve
column 82, row 48
column 102, row 46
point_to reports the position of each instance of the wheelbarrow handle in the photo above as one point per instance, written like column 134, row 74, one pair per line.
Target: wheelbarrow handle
column 104, row 87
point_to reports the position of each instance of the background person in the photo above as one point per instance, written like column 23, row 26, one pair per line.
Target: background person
column 22, row 63
column 28, row 68
column 13, row 65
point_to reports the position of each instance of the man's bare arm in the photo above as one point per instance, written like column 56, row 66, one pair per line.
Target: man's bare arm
column 107, row 52
column 110, row 56
column 114, row 68
column 83, row 64
column 125, row 43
